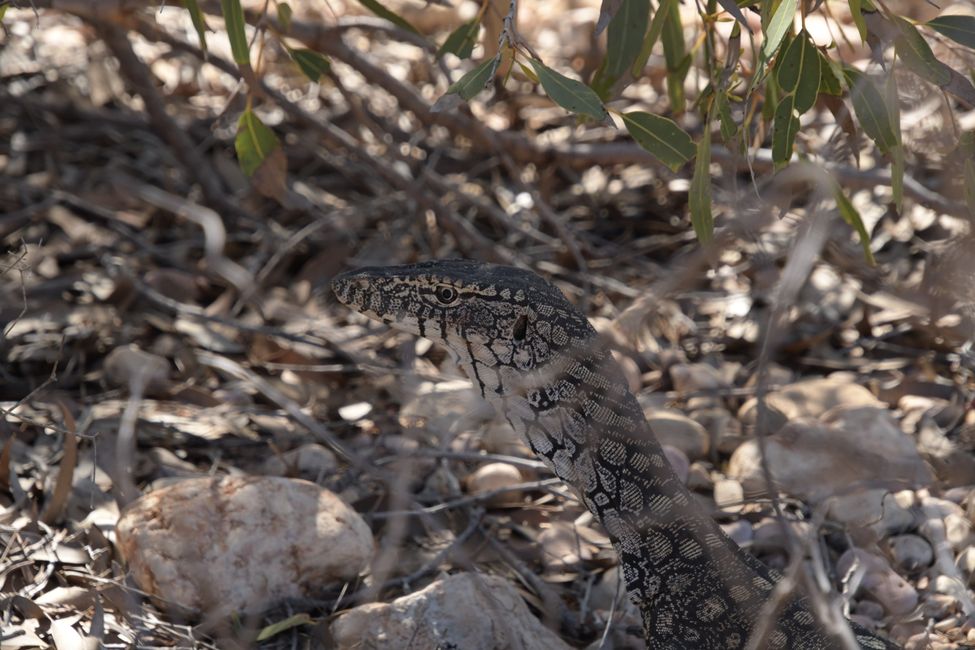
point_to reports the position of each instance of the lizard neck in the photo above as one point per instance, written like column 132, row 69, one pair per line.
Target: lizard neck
column 694, row 586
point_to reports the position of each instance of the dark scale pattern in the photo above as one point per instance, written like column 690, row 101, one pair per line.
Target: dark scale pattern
column 539, row 361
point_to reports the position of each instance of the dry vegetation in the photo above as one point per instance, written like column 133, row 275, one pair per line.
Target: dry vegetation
column 165, row 317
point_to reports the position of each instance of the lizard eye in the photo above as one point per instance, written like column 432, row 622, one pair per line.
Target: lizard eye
column 446, row 295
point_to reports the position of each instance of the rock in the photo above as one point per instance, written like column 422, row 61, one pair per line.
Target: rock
column 871, row 610
column 728, row 494
column 953, row 464
column 678, row 460
column 128, row 366
column 900, row 512
column 310, row 461
column 881, row 582
column 910, row 552
column 224, row 544
column 721, row 426
column 562, row 547
column 957, row 527
column 465, row 610
column 699, row 478
column 445, row 408
column 740, row 531
column 679, row 431
column 496, row 476
column 696, row 377
column 859, row 447
column 769, row 536
column 810, row 398
column 690, row 378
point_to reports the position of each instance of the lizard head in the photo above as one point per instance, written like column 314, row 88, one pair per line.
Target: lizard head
column 485, row 314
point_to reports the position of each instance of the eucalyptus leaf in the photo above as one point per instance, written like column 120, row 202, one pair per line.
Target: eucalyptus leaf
column 798, row 71
column 661, row 137
column 572, row 95
column 852, row 217
column 916, row 54
column 462, row 40
column 960, row 29
column 199, row 20
column 233, row 18
column 699, row 198
column 254, row 142
column 377, row 8
column 778, row 27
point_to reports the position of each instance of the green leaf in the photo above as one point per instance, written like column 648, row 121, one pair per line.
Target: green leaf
column 784, row 129
column 856, row 10
column 872, row 111
column 375, row 7
column 896, row 152
column 625, row 36
column 851, row 216
column 916, row 54
column 660, row 136
column 313, row 64
column 729, row 128
column 960, row 29
column 678, row 63
column 199, row 21
column 3, row 12
column 528, row 72
column 656, row 27
column 233, row 18
column 732, row 8
column 699, row 199
column 462, row 40
column 254, row 142
column 281, row 626
column 284, row 15
column 607, row 9
column 778, row 26
column 474, row 81
column 798, row 73
column 570, row 94
column 831, row 76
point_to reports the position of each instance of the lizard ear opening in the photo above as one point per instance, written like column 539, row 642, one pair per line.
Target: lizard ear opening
column 520, row 330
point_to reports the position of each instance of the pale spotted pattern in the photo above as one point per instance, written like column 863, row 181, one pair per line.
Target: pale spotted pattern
column 539, row 361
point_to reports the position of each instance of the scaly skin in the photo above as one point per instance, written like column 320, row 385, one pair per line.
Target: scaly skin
column 538, row 360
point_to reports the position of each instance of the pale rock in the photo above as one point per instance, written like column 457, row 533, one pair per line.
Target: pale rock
column 137, row 370
column 679, row 431
column 900, row 512
column 815, row 461
column 740, row 531
column 721, row 426
column 952, row 463
column 310, row 461
column 728, row 494
column 496, row 476
column 464, row 610
column 445, row 408
column 225, row 544
column 696, row 377
column 910, row 552
column 957, row 526
column 966, row 562
column 810, row 398
column 562, row 546
column 880, row 581
column 678, row 461
column 769, row 536
column 871, row 610
column 699, row 478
